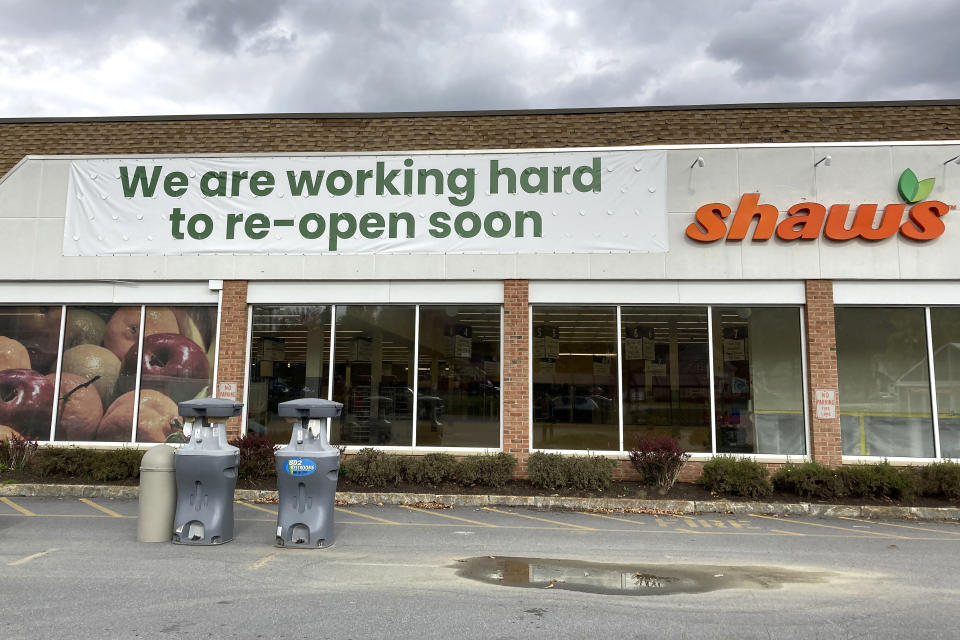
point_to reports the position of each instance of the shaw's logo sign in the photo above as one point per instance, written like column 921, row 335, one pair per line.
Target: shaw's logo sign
column 810, row 220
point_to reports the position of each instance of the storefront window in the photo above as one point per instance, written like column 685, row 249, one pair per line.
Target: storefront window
column 575, row 390
column 666, row 381
column 458, row 397
column 28, row 360
column 945, row 325
column 374, row 375
column 884, row 382
column 99, row 371
column 759, row 380
column 290, row 358
column 175, row 366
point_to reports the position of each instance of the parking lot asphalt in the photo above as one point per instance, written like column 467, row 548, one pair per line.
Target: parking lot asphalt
column 72, row 566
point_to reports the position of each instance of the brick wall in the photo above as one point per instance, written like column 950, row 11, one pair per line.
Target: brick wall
column 516, row 372
column 822, row 361
column 231, row 365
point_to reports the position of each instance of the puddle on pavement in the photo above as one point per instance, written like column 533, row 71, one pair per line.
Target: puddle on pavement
column 626, row 579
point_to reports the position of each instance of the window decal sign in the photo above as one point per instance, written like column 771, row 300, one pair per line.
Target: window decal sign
column 537, row 202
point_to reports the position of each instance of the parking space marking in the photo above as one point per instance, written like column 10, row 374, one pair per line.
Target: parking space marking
column 256, row 506
column 109, row 512
column 902, row 526
column 13, row 505
column 827, row 526
column 789, row 533
column 523, row 515
column 29, row 558
column 601, row 515
column 446, row 515
column 260, row 563
column 375, row 518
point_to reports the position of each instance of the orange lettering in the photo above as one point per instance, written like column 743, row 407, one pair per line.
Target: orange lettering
column 709, row 225
column 747, row 210
column 808, row 216
column 862, row 226
column 924, row 220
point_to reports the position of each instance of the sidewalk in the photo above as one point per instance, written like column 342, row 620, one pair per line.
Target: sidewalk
column 536, row 502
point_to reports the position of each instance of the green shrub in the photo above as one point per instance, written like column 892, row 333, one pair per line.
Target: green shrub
column 545, row 470
column 809, row 480
column 374, row 468
column 938, row 479
column 92, row 465
column 736, row 476
column 431, row 469
column 487, row 470
column 880, row 480
column 256, row 460
column 589, row 472
column 658, row 460
column 555, row 471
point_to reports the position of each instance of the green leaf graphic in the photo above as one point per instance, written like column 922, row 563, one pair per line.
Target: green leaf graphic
column 908, row 185
column 924, row 189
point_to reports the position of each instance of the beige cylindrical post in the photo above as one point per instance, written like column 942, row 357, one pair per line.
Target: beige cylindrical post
column 158, row 495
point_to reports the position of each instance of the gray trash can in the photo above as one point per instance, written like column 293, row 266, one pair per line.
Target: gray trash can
column 206, row 470
column 307, row 471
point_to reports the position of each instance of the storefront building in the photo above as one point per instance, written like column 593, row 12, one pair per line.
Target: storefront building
column 776, row 281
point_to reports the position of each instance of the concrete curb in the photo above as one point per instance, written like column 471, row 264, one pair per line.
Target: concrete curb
column 537, row 502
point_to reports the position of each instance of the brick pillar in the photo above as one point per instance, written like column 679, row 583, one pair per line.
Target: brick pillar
column 516, row 372
column 231, row 364
column 822, row 359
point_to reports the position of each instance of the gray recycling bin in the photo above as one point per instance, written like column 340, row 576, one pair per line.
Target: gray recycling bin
column 206, row 471
column 307, row 471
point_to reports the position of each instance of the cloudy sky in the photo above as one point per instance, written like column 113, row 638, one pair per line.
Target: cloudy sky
column 134, row 57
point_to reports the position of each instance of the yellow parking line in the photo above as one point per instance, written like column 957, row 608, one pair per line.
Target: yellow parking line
column 13, row 505
column 691, row 523
column 827, row 526
column 109, row 512
column 444, row 515
column 901, row 526
column 789, row 533
column 257, row 507
column 261, row 562
column 600, row 515
column 363, row 515
column 29, row 558
column 523, row 515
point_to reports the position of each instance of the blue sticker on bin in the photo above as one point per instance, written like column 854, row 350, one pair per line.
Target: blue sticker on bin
column 300, row 466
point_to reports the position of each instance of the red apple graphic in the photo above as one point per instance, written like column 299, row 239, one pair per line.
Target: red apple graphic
column 26, row 402
column 172, row 364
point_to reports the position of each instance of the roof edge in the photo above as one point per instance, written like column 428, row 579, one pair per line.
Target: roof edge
column 482, row 113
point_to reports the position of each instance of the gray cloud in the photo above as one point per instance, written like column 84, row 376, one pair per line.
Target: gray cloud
column 60, row 57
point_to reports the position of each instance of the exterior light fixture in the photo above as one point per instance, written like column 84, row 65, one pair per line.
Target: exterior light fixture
column 826, row 160
column 955, row 159
column 698, row 162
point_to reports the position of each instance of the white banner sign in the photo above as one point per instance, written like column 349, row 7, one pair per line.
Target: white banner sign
column 538, row 202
